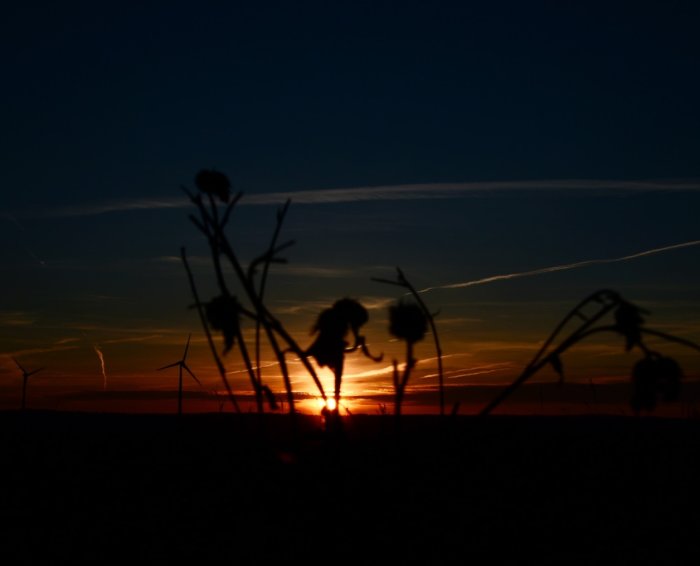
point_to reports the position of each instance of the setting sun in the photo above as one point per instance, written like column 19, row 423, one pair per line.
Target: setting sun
column 327, row 404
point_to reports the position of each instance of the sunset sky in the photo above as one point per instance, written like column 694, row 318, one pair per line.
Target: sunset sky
column 459, row 141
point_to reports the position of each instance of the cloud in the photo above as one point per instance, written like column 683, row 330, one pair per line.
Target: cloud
column 286, row 307
column 37, row 350
column 564, row 267
column 16, row 318
column 392, row 192
column 315, row 271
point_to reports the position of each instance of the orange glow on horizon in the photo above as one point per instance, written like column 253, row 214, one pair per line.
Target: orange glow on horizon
column 328, row 404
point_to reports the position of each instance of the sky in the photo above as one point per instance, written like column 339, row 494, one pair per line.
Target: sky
column 460, row 141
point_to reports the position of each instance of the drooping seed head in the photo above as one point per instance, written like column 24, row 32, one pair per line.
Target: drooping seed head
column 223, row 313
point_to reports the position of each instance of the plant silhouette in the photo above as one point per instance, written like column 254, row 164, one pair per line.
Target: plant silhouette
column 402, row 281
column 25, row 378
column 330, row 346
column 407, row 322
column 214, row 204
column 182, row 364
column 653, row 376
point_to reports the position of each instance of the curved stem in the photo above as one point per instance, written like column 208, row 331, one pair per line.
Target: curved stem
column 205, row 326
column 671, row 338
column 573, row 312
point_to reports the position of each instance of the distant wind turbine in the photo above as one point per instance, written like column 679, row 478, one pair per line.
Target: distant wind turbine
column 25, row 377
column 182, row 364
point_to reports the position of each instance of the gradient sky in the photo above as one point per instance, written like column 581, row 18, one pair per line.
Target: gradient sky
column 457, row 140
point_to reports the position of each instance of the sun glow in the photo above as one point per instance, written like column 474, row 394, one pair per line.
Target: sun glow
column 327, row 404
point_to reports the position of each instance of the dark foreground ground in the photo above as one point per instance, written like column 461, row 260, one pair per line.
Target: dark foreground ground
column 513, row 490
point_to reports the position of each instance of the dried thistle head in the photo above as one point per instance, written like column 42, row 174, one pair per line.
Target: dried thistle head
column 332, row 326
column 652, row 376
column 407, row 321
column 223, row 313
column 330, row 323
column 354, row 314
column 213, row 183
column 628, row 319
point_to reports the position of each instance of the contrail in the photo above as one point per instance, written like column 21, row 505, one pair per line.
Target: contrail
column 564, row 267
column 420, row 191
column 102, row 364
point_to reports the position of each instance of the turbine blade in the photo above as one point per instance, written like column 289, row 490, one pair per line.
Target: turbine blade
column 192, row 374
column 35, row 371
column 169, row 366
column 187, row 347
column 19, row 365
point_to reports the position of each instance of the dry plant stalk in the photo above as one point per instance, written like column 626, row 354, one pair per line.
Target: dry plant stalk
column 654, row 374
column 215, row 205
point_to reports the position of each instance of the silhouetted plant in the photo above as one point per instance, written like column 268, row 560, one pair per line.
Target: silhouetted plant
column 652, row 376
column 402, row 281
column 25, row 378
column 222, row 312
column 214, row 183
column 330, row 346
column 408, row 322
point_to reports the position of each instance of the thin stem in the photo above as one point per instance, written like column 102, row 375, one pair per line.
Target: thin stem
column 436, row 338
column 672, row 338
column 263, row 282
column 401, row 384
column 205, row 326
column 257, row 385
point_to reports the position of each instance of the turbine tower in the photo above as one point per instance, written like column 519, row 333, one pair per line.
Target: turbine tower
column 25, row 377
column 182, row 364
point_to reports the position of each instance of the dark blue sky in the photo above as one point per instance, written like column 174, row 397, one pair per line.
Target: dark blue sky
column 107, row 102
column 104, row 100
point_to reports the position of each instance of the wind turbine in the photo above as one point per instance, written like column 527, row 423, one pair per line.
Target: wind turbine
column 25, row 377
column 182, row 364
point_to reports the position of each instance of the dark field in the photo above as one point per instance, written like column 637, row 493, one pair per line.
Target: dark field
column 525, row 490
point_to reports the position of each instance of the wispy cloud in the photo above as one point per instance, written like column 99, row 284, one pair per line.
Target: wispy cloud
column 38, row 350
column 299, row 306
column 315, row 271
column 563, row 267
column 390, row 192
column 16, row 318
